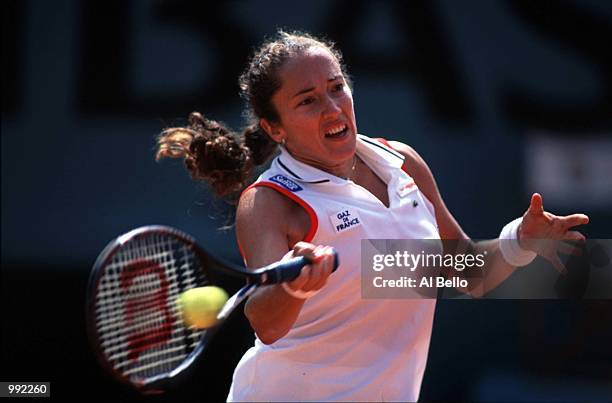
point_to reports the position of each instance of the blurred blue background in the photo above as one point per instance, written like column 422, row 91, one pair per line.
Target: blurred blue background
column 501, row 98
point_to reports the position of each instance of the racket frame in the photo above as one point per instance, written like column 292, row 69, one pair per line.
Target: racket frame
column 210, row 266
column 154, row 384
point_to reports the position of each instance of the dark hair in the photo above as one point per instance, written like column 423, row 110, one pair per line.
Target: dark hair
column 223, row 158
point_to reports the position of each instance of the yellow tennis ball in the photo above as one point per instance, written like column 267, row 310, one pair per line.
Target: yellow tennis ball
column 200, row 306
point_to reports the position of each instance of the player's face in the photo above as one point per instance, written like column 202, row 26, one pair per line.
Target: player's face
column 315, row 106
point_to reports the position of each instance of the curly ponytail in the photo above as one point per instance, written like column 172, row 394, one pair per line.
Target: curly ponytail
column 215, row 154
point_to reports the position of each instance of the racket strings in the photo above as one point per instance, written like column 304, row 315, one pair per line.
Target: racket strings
column 159, row 326
column 139, row 325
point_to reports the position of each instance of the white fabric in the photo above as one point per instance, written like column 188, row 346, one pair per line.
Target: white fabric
column 511, row 249
column 343, row 347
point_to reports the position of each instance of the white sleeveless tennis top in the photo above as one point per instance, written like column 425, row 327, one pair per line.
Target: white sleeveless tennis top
column 343, row 347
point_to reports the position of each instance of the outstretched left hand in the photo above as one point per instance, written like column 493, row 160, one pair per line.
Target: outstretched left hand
column 544, row 233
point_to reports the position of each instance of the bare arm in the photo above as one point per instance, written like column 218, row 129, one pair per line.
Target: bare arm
column 537, row 224
column 265, row 224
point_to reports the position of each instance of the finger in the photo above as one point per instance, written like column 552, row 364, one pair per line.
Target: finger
column 318, row 254
column 327, row 263
column 574, row 220
column 304, row 249
column 300, row 281
column 320, row 269
column 574, row 236
column 302, row 246
column 314, row 278
column 536, row 206
column 288, row 255
column 557, row 264
column 323, row 266
column 569, row 249
column 331, row 260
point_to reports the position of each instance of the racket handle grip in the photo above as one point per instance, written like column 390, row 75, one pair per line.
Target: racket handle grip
column 288, row 270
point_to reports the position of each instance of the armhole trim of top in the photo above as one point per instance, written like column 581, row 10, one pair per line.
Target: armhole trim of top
column 314, row 221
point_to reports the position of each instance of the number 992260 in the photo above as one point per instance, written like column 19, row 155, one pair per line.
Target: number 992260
column 34, row 389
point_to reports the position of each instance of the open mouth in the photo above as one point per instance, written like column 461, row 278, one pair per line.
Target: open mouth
column 337, row 131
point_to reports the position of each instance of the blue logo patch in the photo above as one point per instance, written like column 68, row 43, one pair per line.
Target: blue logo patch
column 286, row 183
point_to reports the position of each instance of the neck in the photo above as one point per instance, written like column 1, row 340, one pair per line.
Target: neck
column 352, row 170
column 346, row 169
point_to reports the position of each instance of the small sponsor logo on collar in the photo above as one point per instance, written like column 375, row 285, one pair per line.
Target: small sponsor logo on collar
column 345, row 220
column 286, row 183
column 406, row 187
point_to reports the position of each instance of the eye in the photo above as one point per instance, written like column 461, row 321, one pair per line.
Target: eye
column 306, row 101
column 338, row 87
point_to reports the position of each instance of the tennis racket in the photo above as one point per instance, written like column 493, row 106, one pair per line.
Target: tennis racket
column 134, row 324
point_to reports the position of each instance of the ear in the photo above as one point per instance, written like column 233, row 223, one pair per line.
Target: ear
column 274, row 130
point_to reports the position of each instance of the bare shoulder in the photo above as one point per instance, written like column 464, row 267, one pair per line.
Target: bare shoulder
column 259, row 205
column 266, row 224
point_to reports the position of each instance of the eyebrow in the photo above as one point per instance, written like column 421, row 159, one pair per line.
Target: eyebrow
column 305, row 90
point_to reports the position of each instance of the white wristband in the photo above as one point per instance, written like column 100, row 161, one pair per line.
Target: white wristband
column 510, row 247
column 299, row 293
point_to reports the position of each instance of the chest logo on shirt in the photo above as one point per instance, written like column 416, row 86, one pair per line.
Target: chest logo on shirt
column 286, row 183
column 345, row 220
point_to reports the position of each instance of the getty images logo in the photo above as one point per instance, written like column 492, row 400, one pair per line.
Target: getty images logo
column 286, row 183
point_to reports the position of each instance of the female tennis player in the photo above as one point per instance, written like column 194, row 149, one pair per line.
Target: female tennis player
column 317, row 339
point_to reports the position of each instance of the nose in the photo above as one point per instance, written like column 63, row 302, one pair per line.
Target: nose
column 331, row 108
